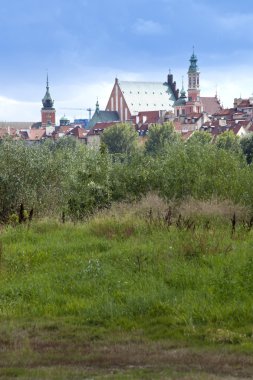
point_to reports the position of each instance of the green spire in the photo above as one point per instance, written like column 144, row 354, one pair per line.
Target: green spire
column 182, row 92
column 47, row 100
column 193, row 62
column 97, row 106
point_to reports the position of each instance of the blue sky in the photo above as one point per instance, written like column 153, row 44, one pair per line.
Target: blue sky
column 84, row 44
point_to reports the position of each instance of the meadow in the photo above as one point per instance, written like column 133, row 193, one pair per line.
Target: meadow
column 148, row 290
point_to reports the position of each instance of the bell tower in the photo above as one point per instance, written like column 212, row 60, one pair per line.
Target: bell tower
column 47, row 111
column 194, row 101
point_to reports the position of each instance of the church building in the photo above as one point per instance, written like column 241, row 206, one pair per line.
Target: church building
column 128, row 98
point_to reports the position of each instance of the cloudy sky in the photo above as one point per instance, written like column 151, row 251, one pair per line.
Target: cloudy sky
column 85, row 44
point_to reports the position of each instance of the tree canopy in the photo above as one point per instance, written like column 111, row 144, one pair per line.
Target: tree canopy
column 247, row 147
column 228, row 141
column 120, row 138
column 201, row 137
column 159, row 136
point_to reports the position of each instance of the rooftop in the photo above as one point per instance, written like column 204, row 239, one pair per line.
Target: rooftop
column 147, row 96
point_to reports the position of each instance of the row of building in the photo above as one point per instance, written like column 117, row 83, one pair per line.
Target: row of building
column 142, row 104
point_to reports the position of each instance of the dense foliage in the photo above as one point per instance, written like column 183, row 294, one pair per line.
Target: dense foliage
column 120, row 138
column 70, row 178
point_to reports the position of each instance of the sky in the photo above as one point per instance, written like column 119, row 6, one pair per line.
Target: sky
column 84, row 44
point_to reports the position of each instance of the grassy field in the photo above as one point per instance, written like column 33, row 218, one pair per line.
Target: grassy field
column 127, row 296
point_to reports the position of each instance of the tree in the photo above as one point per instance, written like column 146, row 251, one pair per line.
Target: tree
column 120, row 138
column 228, row 141
column 200, row 137
column 160, row 135
column 247, row 147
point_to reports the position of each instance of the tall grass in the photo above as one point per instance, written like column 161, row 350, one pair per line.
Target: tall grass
column 130, row 270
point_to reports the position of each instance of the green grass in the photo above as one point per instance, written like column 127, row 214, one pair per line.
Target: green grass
column 120, row 280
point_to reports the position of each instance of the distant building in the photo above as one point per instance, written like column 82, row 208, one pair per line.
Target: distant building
column 64, row 121
column 194, row 103
column 47, row 111
column 130, row 98
column 103, row 117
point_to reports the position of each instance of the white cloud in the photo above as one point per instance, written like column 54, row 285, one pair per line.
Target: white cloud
column 15, row 110
column 236, row 21
column 147, row 27
column 231, row 82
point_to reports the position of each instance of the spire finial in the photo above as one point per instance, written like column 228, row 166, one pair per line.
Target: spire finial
column 47, row 80
column 47, row 100
column 97, row 106
column 169, row 71
column 193, row 49
column 182, row 92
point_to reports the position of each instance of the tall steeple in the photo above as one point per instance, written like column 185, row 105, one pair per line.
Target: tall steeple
column 47, row 111
column 193, row 62
column 193, row 73
column 182, row 92
column 193, row 79
column 47, row 100
column 97, row 107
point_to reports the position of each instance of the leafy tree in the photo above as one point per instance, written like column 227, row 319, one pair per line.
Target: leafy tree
column 228, row 141
column 247, row 147
column 200, row 137
column 120, row 138
column 89, row 184
column 159, row 136
column 130, row 177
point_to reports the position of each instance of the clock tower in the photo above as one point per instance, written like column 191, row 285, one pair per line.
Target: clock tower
column 194, row 103
column 47, row 111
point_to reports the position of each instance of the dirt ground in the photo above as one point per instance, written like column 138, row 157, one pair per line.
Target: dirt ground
column 96, row 360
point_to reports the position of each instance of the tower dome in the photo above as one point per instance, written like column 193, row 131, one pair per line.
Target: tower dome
column 47, row 100
column 47, row 111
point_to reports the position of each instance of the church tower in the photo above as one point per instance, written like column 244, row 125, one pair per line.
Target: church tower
column 194, row 101
column 47, row 111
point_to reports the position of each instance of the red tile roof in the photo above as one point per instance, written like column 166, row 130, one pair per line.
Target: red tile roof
column 244, row 103
column 78, row 132
column 64, row 129
column 7, row 131
column 99, row 127
column 152, row 117
column 177, row 125
column 36, row 134
column 236, row 128
column 211, row 104
column 225, row 112
column 193, row 115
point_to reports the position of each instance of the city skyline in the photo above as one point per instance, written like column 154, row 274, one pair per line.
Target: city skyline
column 83, row 46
